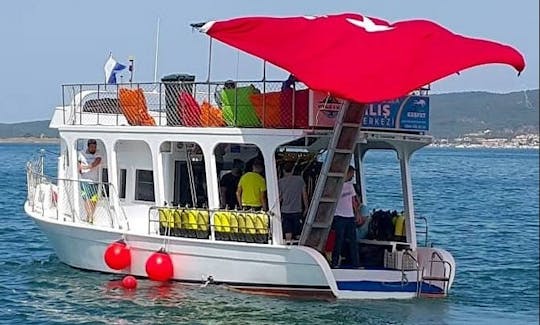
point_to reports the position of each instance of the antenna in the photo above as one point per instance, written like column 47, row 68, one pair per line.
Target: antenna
column 157, row 51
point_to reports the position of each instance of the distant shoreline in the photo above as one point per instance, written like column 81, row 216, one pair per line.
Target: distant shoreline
column 27, row 140
column 37, row 140
column 461, row 146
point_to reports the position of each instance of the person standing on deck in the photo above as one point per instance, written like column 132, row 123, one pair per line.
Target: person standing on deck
column 88, row 167
column 292, row 194
column 345, row 221
column 228, row 185
column 251, row 192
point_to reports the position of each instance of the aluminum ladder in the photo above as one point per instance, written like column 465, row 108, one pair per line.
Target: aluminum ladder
column 445, row 278
column 334, row 170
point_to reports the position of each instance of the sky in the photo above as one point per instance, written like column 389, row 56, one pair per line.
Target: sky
column 49, row 43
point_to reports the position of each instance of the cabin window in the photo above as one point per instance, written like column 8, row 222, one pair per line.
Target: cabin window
column 122, row 184
column 232, row 161
column 144, row 185
column 187, row 172
column 298, row 165
column 383, row 180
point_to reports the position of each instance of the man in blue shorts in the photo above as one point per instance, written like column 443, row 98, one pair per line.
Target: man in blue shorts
column 88, row 166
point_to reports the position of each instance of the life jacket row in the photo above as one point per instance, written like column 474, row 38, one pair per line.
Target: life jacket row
column 243, row 226
column 191, row 223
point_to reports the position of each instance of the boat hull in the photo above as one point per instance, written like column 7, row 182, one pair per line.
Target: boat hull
column 296, row 271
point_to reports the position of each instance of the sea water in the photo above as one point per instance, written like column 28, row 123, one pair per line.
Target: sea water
column 482, row 205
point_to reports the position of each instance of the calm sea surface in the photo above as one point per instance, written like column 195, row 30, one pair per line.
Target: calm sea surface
column 482, row 206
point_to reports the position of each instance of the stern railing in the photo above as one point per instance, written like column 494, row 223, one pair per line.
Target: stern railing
column 73, row 200
column 424, row 231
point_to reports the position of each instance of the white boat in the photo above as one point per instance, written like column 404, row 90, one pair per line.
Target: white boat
column 159, row 188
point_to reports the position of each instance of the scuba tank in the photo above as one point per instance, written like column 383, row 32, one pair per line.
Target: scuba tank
column 399, row 227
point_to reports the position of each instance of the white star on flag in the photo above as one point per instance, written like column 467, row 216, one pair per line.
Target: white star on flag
column 368, row 25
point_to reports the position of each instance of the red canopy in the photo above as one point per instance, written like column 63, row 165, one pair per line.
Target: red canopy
column 360, row 58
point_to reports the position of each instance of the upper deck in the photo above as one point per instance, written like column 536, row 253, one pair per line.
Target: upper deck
column 242, row 104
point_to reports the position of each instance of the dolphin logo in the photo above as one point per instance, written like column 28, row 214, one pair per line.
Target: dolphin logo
column 420, row 102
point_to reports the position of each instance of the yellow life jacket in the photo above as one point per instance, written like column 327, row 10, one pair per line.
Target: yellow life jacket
column 399, row 227
column 202, row 220
column 221, row 221
column 177, row 218
column 241, row 223
column 166, row 218
column 184, row 216
column 261, row 223
column 192, row 219
column 250, row 223
column 233, row 222
column 217, row 222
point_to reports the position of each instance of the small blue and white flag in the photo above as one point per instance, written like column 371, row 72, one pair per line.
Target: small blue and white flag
column 111, row 68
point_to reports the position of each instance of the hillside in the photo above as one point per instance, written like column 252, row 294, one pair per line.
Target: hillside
column 452, row 115
column 456, row 114
column 27, row 129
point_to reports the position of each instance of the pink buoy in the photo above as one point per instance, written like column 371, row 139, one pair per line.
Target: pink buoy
column 129, row 282
column 117, row 256
column 159, row 266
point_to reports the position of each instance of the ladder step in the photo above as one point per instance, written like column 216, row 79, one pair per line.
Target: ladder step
column 336, row 150
column 335, row 174
column 327, row 199
column 435, row 278
column 321, row 225
column 351, row 125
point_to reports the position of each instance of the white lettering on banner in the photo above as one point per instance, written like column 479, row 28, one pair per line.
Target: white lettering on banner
column 416, row 114
column 374, row 121
column 378, row 110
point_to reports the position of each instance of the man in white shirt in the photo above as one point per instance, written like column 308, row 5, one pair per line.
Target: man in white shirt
column 88, row 166
column 345, row 220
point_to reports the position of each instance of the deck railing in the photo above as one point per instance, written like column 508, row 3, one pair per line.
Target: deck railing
column 73, row 200
column 195, row 104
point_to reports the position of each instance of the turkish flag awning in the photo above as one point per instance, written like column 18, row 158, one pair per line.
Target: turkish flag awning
column 360, row 58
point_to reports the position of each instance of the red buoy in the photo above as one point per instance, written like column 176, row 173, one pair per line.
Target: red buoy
column 159, row 266
column 117, row 256
column 129, row 282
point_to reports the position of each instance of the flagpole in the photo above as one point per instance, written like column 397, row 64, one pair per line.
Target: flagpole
column 131, row 60
column 105, row 77
column 157, row 51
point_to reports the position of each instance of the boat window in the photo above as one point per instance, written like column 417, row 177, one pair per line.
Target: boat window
column 298, row 164
column 144, row 185
column 232, row 161
column 184, row 174
column 383, row 180
column 122, row 184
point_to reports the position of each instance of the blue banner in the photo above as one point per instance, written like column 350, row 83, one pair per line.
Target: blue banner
column 409, row 113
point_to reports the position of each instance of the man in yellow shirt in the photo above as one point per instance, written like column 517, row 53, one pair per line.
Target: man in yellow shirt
column 251, row 192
